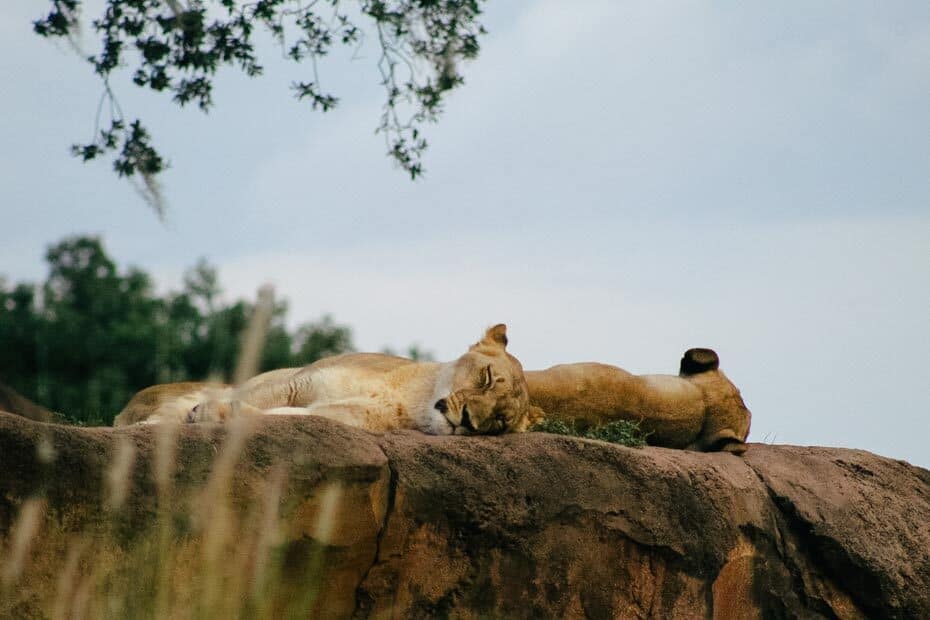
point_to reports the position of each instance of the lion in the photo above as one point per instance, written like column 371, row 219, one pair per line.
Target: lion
column 483, row 392
column 699, row 409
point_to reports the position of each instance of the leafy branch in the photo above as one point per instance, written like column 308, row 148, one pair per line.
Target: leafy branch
column 177, row 46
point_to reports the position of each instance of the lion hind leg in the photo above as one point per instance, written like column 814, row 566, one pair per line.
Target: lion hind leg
column 354, row 412
column 724, row 440
column 735, row 446
column 215, row 410
column 287, row 411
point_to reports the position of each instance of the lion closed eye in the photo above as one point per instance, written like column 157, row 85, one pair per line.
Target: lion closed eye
column 482, row 392
column 488, row 394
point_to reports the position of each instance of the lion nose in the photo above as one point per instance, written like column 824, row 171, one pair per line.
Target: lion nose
column 441, row 405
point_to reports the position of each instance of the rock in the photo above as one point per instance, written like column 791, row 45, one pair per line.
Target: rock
column 306, row 517
column 12, row 401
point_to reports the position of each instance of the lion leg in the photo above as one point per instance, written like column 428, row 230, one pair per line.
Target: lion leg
column 734, row 446
column 221, row 411
column 275, row 388
column 360, row 414
column 724, row 440
column 286, row 411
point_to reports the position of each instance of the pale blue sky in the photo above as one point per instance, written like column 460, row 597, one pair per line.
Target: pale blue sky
column 618, row 181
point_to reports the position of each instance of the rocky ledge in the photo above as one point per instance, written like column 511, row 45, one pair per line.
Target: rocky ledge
column 310, row 517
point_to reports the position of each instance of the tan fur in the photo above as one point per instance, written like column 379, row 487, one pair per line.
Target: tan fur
column 482, row 392
column 700, row 409
column 159, row 400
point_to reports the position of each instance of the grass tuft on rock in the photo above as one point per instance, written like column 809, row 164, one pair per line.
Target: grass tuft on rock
column 623, row 432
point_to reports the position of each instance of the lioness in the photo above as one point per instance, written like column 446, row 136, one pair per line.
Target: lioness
column 697, row 410
column 700, row 409
column 482, row 392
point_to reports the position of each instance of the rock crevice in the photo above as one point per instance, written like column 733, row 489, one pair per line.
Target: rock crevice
column 363, row 603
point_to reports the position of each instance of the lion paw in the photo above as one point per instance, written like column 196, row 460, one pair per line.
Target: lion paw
column 210, row 411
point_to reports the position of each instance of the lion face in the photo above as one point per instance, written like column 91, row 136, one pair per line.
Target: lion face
column 488, row 391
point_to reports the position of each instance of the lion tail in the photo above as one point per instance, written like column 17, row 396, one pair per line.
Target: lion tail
column 696, row 361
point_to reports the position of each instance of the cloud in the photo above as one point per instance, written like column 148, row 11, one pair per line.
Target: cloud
column 621, row 112
column 812, row 322
column 617, row 181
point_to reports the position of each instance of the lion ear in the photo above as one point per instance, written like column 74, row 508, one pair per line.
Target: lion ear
column 496, row 335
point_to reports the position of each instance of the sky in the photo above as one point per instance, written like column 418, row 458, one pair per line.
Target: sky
column 616, row 181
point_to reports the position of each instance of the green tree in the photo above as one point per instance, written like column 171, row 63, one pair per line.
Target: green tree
column 90, row 336
column 414, row 352
column 177, row 46
column 202, row 284
column 320, row 339
column 19, row 329
column 98, row 332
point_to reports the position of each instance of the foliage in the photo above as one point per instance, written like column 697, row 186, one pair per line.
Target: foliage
column 90, row 336
column 321, row 339
column 177, row 46
column 623, row 432
column 413, row 352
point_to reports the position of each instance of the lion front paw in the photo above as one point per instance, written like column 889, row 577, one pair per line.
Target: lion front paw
column 210, row 411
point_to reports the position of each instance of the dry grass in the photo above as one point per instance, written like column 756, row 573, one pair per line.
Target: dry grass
column 198, row 556
column 21, row 538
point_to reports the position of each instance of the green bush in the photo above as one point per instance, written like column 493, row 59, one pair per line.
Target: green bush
column 623, row 432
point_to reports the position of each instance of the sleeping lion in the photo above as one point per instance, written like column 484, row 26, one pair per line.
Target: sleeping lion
column 482, row 392
column 698, row 409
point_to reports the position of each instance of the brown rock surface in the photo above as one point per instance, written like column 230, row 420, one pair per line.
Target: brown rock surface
column 327, row 521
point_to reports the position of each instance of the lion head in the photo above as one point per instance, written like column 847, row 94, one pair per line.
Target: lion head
column 488, row 393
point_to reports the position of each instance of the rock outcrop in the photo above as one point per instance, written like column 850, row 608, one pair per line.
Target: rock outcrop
column 12, row 401
column 305, row 517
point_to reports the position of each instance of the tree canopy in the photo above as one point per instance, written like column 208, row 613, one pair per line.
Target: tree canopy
column 177, row 46
column 82, row 342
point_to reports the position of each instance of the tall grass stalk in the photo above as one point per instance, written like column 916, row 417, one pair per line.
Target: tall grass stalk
column 21, row 538
column 200, row 555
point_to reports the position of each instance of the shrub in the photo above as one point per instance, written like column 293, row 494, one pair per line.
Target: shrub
column 623, row 432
